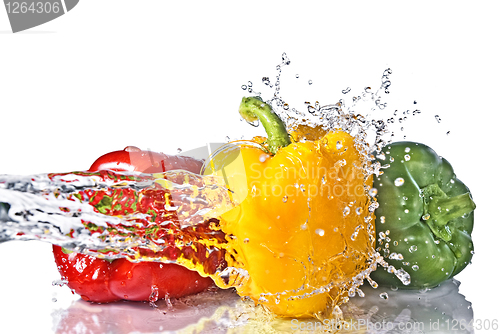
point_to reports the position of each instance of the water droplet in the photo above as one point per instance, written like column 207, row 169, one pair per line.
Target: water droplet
column 382, row 219
column 407, row 211
column 415, row 267
column 413, row 248
column 399, row 182
column 310, row 82
column 320, row 232
column 403, row 276
column 407, row 157
column 246, row 240
column 266, row 81
column 338, row 146
column 347, row 210
column 438, row 119
column 396, row 256
column 59, row 282
column 153, row 297
column 426, row 216
column 263, row 157
column 297, row 76
column 284, row 59
column 384, row 295
column 373, row 192
column 244, row 87
column 285, row 199
column 347, row 90
column 286, row 106
column 179, row 150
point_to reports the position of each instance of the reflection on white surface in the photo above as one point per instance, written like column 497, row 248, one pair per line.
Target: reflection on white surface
column 205, row 312
column 439, row 310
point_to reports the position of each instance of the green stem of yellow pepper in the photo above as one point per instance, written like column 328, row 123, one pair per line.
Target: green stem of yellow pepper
column 252, row 109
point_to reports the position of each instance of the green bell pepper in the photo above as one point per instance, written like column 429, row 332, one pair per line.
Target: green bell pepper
column 424, row 220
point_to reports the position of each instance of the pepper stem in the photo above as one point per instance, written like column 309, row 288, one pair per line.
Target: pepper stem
column 252, row 109
column 439, row 209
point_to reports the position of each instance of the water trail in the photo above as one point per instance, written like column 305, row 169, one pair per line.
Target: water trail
column 115, row 214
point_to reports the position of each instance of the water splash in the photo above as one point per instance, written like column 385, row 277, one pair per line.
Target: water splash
column 174, row 216
column 164, row 217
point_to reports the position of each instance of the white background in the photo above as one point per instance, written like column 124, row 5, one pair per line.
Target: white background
column 162, row 75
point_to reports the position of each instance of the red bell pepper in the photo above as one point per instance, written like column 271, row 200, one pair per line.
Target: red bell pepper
column 99, row 280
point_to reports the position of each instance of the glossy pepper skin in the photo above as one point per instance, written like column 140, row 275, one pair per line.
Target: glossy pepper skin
column 300, row 229
column 428, row 213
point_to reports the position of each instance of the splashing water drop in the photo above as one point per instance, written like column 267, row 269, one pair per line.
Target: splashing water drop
column 403, row 276
column 284, row 59
column 399, row 182
column 264, row 157
column 320, row 232
column 153, row 297
column 346, row 211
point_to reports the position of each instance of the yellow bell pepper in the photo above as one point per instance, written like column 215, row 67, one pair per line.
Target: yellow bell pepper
column 301, row 228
